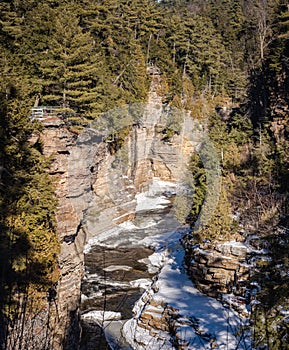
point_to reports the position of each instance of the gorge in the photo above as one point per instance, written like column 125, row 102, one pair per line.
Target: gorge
column 144, row 174
column 111, row 202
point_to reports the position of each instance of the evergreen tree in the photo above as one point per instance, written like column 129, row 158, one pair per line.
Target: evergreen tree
column 29, row 246
column 10, row 24
column 89, row 56
column 73, row 75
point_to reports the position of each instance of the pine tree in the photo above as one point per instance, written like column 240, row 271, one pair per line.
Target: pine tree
column 73, row 72
column 29, row 246
column 10, row 24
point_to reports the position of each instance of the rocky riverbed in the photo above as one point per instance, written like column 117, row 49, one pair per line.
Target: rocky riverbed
column 136, row 291
column 118, row 269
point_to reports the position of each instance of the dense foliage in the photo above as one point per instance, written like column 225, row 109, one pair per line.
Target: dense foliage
column 29, row 246
column 224, row 60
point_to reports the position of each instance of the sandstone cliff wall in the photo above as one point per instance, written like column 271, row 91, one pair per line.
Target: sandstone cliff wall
column 96, row 190
column 220, row 268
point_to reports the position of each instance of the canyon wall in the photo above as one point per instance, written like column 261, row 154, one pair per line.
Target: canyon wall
column 96, row 189
column 221, row 269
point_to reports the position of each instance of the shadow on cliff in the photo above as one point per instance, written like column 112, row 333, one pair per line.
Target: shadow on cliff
column 73, row 331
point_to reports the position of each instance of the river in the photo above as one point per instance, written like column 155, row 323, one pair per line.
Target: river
column 123, row 263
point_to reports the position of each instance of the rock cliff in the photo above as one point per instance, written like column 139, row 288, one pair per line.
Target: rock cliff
column 96, row 188
column 220, row 268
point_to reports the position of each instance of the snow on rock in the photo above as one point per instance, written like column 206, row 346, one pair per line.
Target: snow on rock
column 173, row 311
column 128, row 225
column 154, row 261
column 144, row 202
column 142, row 339
column 218, row 268
column 85, row 297
column 112, row 268
column 154, row 198
column 141, row 283
column 233, row 247
column 100, row 316
column 113, row 335
column 237, row 302
column 98, row 240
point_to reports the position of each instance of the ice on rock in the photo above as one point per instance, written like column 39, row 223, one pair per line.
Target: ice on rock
column 100, row 316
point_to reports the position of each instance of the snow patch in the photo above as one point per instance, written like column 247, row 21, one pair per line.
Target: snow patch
column 154, row 198
column 128, row 225
column 213, row 321
column 98, row 240
column 112, row 268
column 144, row 202
column 100, row 316
column 84, row 297
column 143, row 283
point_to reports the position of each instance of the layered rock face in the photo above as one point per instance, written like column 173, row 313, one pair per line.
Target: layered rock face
column 161, row 322
column 219, row 268
column 160, row 325
column 58, row 143
column 96, row 190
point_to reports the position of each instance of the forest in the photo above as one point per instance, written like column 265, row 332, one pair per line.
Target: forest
column 225, row 61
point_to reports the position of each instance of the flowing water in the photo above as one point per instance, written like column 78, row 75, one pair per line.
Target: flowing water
column 121, row 265
column 117, row 264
